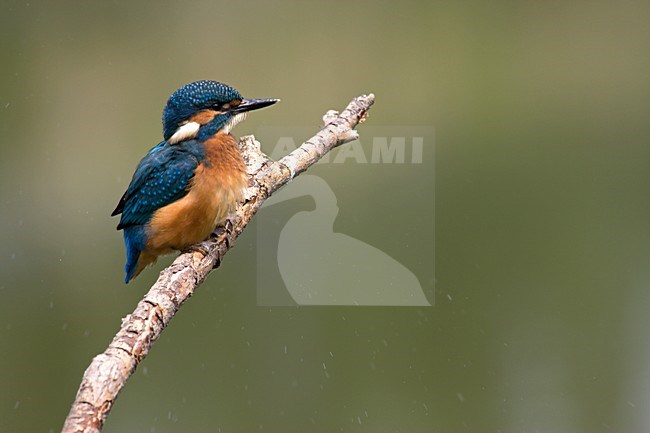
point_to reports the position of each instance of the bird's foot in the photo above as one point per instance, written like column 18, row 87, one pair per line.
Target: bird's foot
column 196, row 248
column 222, row 229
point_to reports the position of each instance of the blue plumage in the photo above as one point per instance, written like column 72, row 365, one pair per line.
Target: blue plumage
column 161, row 178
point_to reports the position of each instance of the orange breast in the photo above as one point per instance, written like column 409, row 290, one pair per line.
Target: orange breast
column 215, row 191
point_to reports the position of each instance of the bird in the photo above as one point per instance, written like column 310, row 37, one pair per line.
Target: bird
column 192, row 180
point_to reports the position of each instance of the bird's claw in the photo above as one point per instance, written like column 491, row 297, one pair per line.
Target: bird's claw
column 197, row 248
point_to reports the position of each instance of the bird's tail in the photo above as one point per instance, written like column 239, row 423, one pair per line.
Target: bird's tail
column 134, row 239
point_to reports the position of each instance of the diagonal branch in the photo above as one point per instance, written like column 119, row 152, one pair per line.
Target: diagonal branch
column 109, row 371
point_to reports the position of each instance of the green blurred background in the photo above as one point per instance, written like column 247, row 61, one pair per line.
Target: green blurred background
column 540, row 112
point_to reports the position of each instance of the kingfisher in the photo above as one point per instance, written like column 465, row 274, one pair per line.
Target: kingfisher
column 189, row 182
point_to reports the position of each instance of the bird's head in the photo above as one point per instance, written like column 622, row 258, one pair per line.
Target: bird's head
column 202, row 108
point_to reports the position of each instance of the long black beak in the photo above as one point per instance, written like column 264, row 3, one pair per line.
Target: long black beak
column 252, row 104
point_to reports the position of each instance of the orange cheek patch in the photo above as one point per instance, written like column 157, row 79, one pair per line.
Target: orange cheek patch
column 203, row 117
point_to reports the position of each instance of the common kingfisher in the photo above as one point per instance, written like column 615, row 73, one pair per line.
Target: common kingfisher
column 192, row 180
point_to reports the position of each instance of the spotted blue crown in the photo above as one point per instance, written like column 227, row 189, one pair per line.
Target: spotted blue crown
column 194, row 97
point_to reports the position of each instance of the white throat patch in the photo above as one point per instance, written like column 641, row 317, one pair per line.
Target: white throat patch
column 184, row 132
column 234, row 120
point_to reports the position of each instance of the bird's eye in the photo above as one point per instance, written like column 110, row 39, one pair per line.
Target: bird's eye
column 226, row 106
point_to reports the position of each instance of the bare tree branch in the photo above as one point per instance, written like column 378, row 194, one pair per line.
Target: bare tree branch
column 109, row 371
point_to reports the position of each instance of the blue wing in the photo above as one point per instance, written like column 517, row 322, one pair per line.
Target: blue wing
column 161, row 178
